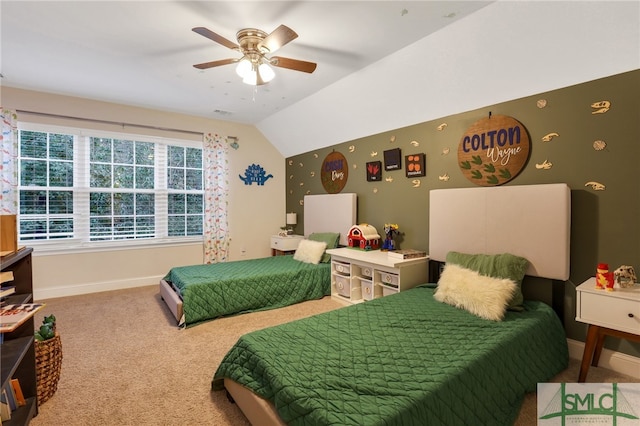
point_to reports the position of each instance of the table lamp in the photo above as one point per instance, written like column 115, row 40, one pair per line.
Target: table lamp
column 292, row 219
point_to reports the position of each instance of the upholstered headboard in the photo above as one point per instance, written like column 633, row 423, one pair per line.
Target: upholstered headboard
column 532, row 221
column 330, row 213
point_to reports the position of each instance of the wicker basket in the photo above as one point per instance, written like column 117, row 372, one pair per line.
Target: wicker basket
column 48, row 366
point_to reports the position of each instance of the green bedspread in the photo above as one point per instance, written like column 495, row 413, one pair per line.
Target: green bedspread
column 221, row 289
column 404, row 359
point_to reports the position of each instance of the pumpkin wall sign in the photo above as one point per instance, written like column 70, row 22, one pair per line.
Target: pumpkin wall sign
column 493, row 150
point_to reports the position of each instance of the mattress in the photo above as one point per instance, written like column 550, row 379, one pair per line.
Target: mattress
column 229, row 288
column 404, row 359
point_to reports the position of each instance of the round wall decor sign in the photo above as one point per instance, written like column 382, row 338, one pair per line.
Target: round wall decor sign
column 334, row 173
column 493, row 150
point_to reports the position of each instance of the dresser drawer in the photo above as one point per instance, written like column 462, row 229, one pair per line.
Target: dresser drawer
column 342, row 268
column 610, row 312
column 366, row 271
column 367, row 290
column 342, row 285
column 389, row 279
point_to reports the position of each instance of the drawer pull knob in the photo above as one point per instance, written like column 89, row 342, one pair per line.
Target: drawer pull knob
column 630, row 315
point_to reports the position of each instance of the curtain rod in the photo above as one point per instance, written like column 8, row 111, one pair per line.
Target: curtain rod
column 93, row 120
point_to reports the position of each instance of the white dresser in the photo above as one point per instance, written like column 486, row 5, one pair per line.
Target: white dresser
column 357, row 275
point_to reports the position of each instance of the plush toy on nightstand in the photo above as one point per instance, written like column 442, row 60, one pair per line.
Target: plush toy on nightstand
column 625, row 276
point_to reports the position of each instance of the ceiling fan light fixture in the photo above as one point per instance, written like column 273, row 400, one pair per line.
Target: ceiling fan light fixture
column 243, row 68
column 266, row 72
column 251, row 77
column 254, row 67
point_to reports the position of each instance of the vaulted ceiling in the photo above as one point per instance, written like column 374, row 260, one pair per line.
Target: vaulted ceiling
column 142, row 52
column 380, row 63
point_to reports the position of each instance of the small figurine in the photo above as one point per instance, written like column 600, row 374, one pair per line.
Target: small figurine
column 604, row 278
column 601, row 275
column 625, row 276
column 389, row 230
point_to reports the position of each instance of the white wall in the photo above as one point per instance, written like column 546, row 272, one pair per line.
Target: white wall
column 507, row 50
column 255, row 212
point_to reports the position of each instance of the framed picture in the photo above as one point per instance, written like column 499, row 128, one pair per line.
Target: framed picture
column 392, row 159
column 374, row 171
column 415, row 165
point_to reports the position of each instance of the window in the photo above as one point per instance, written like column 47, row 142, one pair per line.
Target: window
column 88, row 187
column 184, row 181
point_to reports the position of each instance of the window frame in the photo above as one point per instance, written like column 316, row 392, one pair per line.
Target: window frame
column 81, row 190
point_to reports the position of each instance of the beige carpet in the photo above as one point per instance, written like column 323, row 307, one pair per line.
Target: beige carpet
column 126, row 363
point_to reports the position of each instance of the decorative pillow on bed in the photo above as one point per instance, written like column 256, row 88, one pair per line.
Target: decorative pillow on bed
column 483, row 296
column 504, row 265
column 331, row 238
column 310, row 251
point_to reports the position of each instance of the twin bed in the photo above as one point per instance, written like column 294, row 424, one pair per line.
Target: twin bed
column 409, row 358
column 198, row 293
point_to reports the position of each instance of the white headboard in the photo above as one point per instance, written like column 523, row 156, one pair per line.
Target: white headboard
column 330, row 213
column 532, row 221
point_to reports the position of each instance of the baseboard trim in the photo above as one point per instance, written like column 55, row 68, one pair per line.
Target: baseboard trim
column 611, row 360
column 76, row 290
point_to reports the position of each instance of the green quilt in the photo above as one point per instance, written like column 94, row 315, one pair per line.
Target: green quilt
column 222, row 289
column 404, row 359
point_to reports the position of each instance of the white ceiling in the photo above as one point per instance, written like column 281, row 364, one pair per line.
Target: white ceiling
column 141, row 52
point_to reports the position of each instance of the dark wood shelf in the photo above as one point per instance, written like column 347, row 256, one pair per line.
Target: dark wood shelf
column 17, row 348
column 23, row 415
column 13, row 351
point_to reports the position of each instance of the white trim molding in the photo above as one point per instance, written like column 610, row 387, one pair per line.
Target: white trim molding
column 611, row 360
column 76, row 290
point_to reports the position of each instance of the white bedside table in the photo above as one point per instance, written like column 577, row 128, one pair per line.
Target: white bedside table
column 609, row 313
column 284, row 245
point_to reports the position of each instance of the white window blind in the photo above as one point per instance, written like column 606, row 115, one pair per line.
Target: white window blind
column 91, row 187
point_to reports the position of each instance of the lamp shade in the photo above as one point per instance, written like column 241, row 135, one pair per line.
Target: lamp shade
column 266, row 72
column 251, row 78
column 292, row 218
column 244, row 67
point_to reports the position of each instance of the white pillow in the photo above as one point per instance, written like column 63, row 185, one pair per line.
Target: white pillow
column 486, row 297
column 310, row 251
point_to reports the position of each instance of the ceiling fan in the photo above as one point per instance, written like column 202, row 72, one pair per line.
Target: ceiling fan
column 255, row 45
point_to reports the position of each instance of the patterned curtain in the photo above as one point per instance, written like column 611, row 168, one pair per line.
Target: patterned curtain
column 8, row 162
column 216, row 191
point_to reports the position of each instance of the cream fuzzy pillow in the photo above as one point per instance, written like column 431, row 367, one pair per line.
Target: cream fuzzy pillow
column 483, row 296
column 310, row 251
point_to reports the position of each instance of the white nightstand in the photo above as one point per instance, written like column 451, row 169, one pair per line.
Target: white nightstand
column 284, row 245
column 608, row 313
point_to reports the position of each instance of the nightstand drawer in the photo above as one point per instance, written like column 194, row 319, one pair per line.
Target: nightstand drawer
column 289, row 243
column 610, row 312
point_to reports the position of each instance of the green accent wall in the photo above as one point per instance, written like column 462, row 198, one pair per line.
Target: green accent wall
column 605, row 224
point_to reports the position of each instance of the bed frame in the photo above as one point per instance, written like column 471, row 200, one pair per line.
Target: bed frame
column 322, row 213
column 532, row 221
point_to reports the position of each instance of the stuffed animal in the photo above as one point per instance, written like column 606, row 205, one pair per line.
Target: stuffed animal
column 625, row 276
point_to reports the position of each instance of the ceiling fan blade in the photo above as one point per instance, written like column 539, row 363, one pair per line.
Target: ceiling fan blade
column 278, row 38
column 215, row 37
column 293, row 64
column 212, row 64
